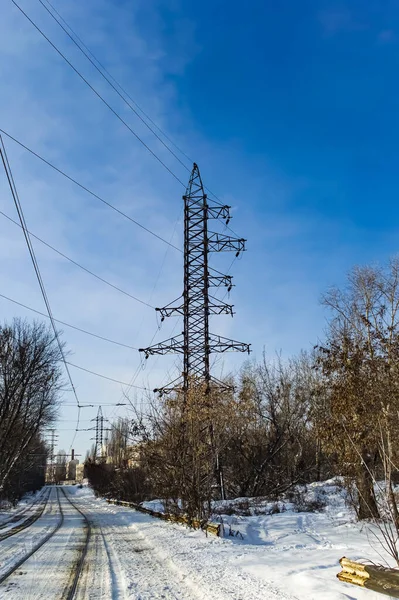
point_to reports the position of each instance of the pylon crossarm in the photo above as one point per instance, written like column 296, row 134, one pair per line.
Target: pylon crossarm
column 219, row 242
column 172, row 345
column 220, row 279
column 218, row 344
column 214, row 309
column 219, row 212
column 221, row 309
column 170, row 311
column 220, row 386
column 214, row 281
column 174, row 386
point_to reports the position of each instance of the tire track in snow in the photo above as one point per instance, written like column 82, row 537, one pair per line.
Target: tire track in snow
column 14, row 552
column 27, row 522
column 100, row 577
column 48, row 571
column 138, row 572
column 185, row 559
column 70, row 595
column 17, row 515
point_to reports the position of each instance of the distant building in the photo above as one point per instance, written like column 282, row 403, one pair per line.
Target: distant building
column 127, row 456
column 71, row 469
column 79, row 472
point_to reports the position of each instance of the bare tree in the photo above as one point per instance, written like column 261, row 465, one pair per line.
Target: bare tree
column 30, row 383
column 273, row 446
column 360, row 363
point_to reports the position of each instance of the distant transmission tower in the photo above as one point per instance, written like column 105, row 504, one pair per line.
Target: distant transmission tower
column 99, row 433
column 196, row 343
column 52, row 442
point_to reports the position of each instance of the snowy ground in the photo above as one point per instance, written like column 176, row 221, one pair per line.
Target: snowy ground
column 49, row 571
column 297, row 551
column 132, row 556
column 24, row 509
column 151, row 559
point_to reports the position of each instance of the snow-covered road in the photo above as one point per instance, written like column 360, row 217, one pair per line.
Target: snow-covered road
column 284, row 556
column 132, row 556
column 129, row 556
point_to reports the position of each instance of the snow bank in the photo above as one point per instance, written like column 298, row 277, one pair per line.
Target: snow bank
column 298, row 549
column 155, row 505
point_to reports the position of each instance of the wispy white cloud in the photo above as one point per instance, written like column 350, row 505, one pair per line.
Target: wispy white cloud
column 386, row 36
column 340, row 19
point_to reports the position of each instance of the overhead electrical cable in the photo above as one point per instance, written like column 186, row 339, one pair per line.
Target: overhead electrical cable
column 140, row 366
column 116, row 82
column 72, row 420
column 86, row 189
column 216, row 199
column 78, row 430
column 18, row 206
column 99, row 95
column 68, row 324
column 105, row 377
column 105, row 70
column 79, row 265
column 111, row 84
column 94, row 405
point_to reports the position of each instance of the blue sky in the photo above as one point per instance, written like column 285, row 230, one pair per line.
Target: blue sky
column 290, row 111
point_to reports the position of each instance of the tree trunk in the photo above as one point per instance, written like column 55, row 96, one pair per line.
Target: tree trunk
column 318, row 459
column 367, row 503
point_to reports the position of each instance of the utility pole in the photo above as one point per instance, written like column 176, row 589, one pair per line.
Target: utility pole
column 196, row 343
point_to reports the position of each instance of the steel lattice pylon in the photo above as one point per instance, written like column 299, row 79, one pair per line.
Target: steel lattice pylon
column 196, row 342
column 99, row 432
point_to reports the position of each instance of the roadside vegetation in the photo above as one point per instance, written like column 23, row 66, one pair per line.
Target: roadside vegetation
column 331, row 411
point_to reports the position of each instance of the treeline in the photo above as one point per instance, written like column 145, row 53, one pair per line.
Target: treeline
column 30, row 383
column 330, row 411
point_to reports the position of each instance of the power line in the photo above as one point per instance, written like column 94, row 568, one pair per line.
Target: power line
column 105, row 377
column 86, row 189
column 72, row 420
column 29, row 244
column 140, row 366
column 68, row 324
column 94, row 405
column 79, row 265
column 99, row 95
column 109, row 81
column 70, row 429
column 77, row 430
column 116, row 82
column 216, row 199
column 121, row 88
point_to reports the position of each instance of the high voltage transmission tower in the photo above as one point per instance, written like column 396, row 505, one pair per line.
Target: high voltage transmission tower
column 99, row 434
column 51, row 444
column 196, row 343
